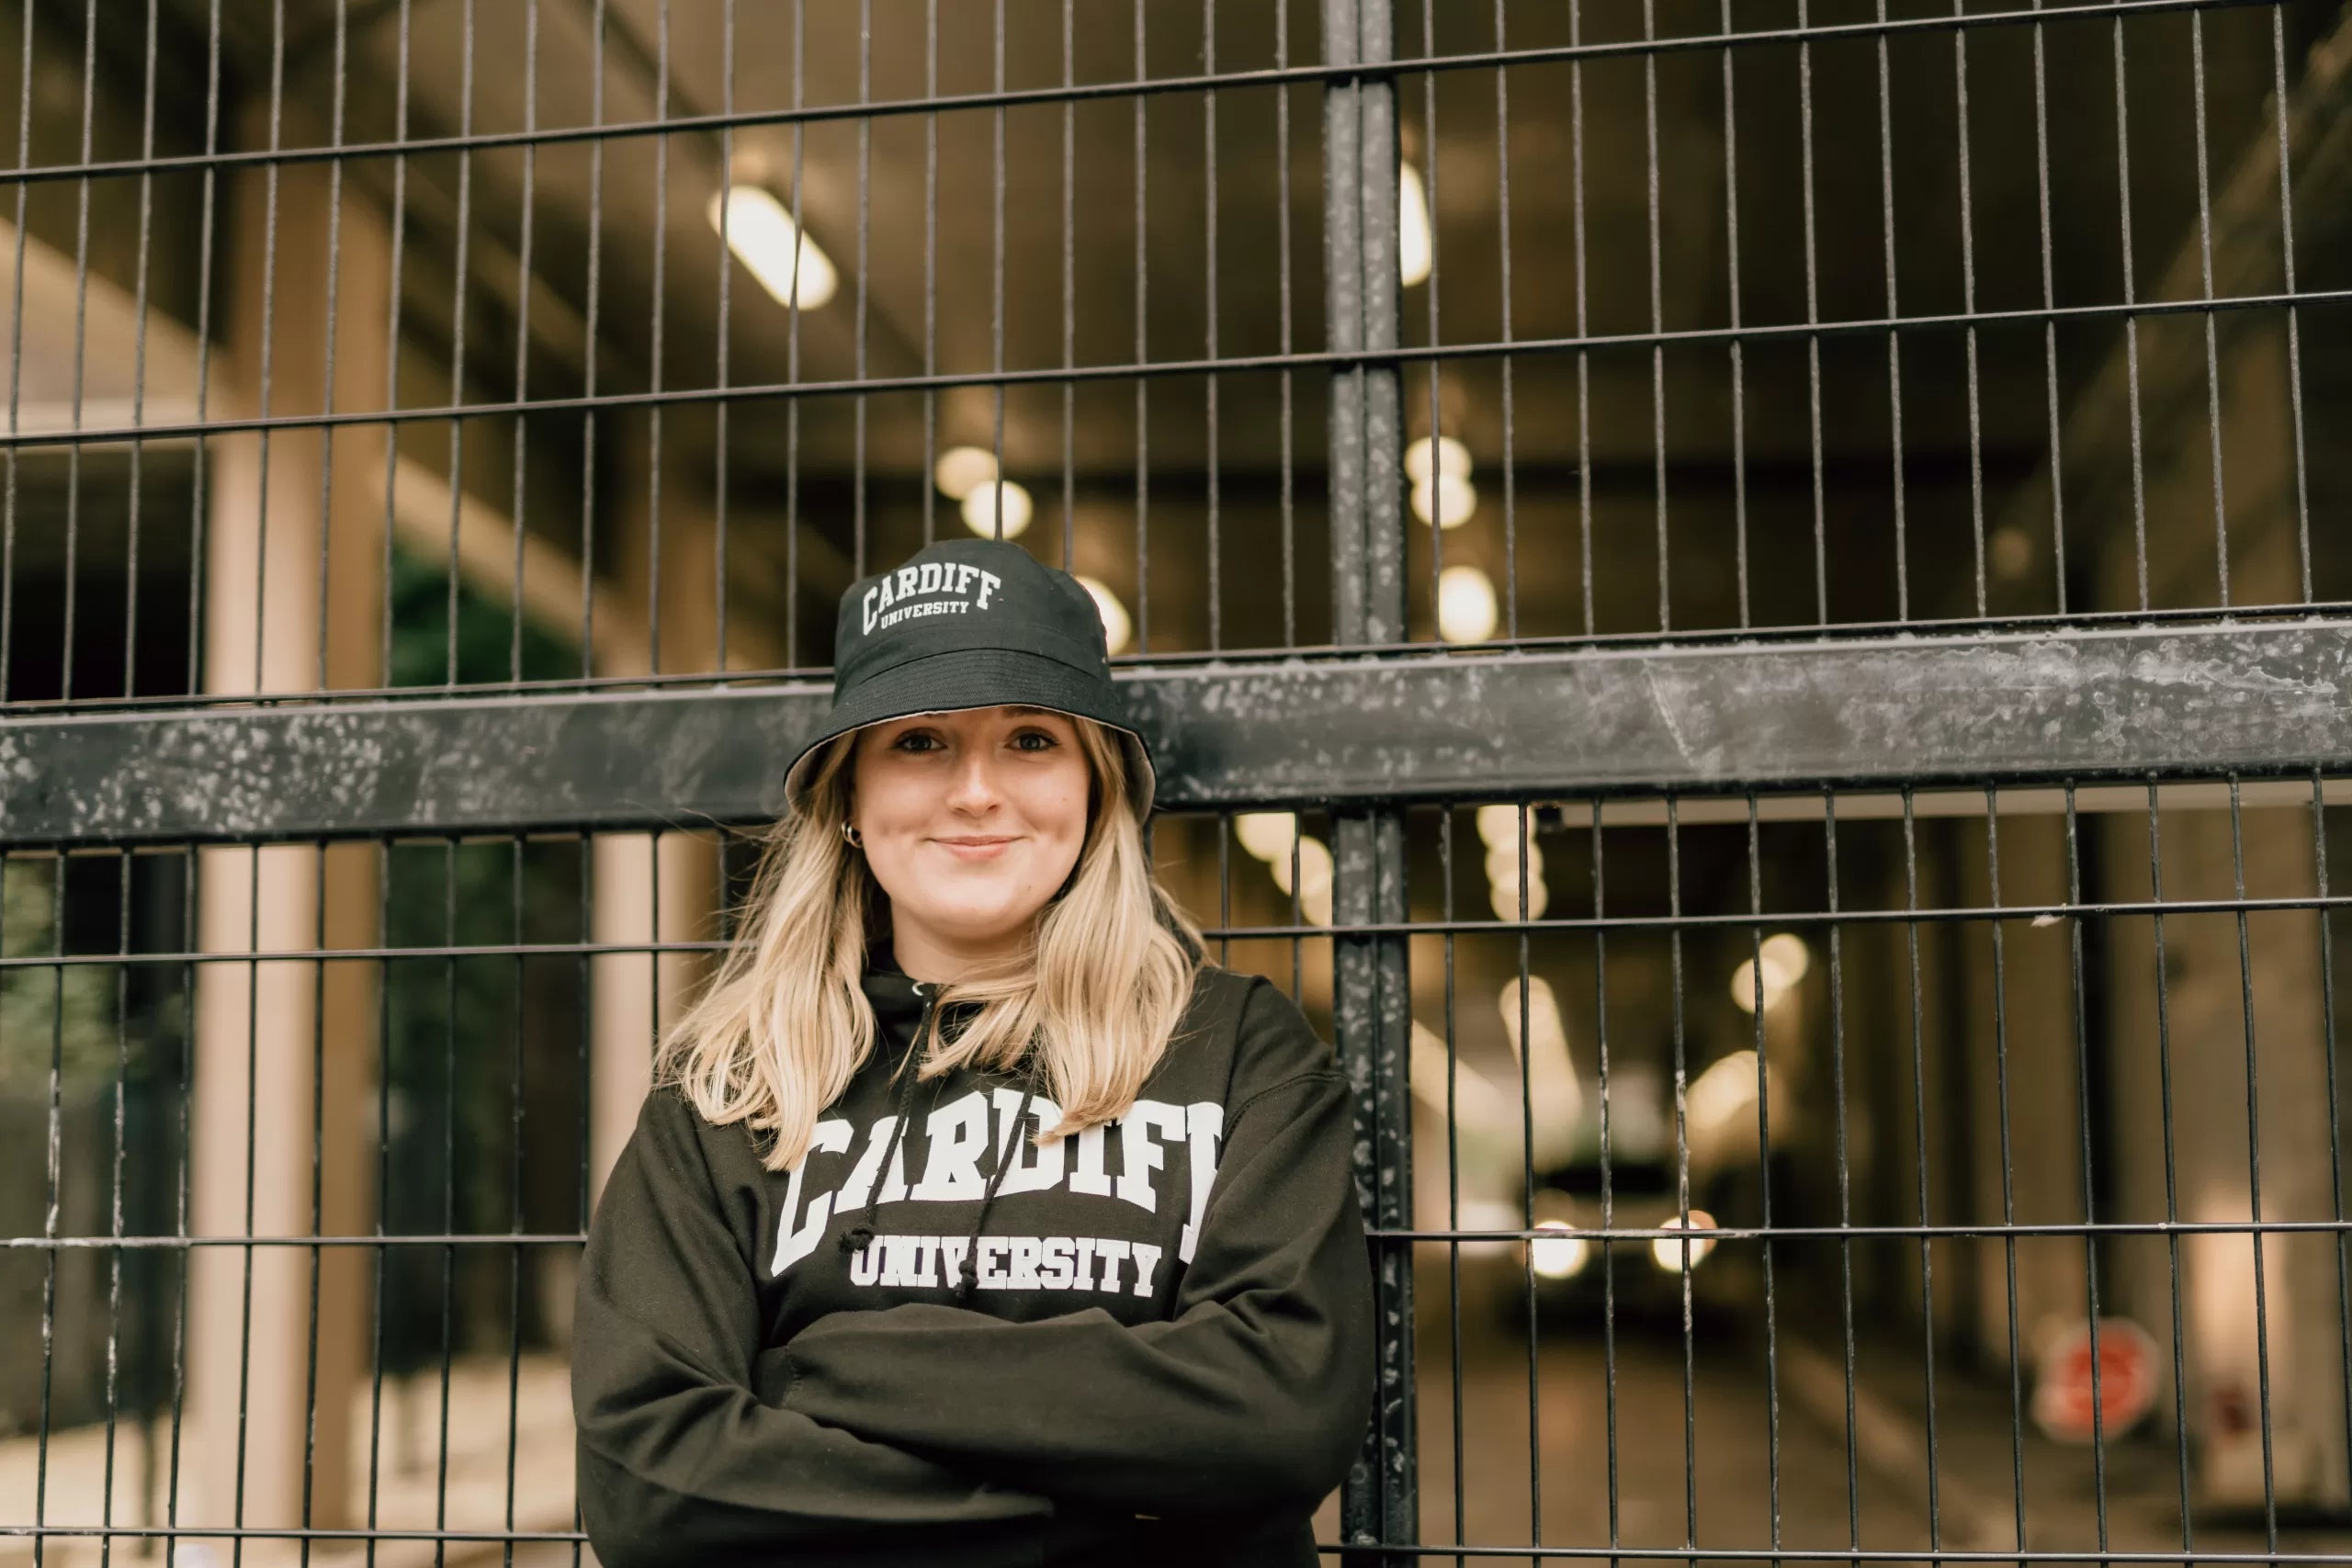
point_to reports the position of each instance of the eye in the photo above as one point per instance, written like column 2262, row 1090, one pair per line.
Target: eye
column 1045, row 741
column 915, row 741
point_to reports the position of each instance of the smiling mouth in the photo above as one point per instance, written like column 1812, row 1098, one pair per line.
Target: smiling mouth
column 972, row 843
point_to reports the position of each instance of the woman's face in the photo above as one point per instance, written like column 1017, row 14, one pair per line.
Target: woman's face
column 972, row 820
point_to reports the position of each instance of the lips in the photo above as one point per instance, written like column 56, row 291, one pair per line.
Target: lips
column 975, row 849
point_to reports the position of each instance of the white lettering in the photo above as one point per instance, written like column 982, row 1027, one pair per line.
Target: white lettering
column 1144, row 1153
column 907, row 576
column 1113, row 1252
column 1205, row 1129
column 927, row 578
column 793, row 1243
column 1053, row 1264
column 1035, row 1169
column 989, row 584
column 1147, row 1265
column 1088, row 1174
column 860, row 1183
column 956, row 1135
column 866, row 1264
column 1023, row 1265
column 872, row 609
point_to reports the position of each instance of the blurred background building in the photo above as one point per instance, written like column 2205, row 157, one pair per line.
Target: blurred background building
column 1748, row 602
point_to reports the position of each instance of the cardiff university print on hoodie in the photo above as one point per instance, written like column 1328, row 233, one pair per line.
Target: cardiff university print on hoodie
column 1153, row 1341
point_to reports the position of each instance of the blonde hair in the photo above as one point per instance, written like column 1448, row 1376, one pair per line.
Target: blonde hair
column 784, row 1024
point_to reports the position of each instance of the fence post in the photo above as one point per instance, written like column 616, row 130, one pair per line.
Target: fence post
column 1371, row 1002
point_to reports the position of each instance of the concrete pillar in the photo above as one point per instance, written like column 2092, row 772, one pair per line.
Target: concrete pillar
column 278, row 1043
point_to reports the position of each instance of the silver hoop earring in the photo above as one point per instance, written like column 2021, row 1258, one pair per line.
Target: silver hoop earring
column 850, row 836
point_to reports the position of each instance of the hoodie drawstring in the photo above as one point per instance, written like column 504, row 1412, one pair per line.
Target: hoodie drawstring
column 1005, row 1158
column 861, row 1235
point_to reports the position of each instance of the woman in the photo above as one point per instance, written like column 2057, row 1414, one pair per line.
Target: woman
column 974, row 1219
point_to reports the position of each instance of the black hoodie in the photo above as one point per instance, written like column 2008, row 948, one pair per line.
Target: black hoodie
column 1161, row 1349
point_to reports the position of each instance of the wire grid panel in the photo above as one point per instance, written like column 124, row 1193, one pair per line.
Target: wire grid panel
column 1755, row 1170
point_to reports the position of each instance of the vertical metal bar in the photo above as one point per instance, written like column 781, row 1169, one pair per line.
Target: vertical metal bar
column 1764, row 1164
column 588, row 487
column 1282, row 266
column 318, row 1183
column 1379, row 1504
column 378, row 1249
column 1143, row 339
column 1431, row 290
column 2008, row 1170
column 2050, row 326
column 2294, row 344
column 865, row 285
column 2253, row 1173
column 1453, row 1177
column 996, row 268
column 1609, row 1407
column 1657, row 306
column 792, row 354
column 1503, row 289
column 2090, row 1194
column 2130, row 322
column 659, row 298
column 1527, row 1179
column 448, row 1185
column 2205, row 274
column 1894, row 331
column 516, row 1135
column 2334, row 1124
column 930, row 259
column 1968, row 305
column 1584, row 355
column 124, row 865
column 1813, row 319
column 1208, row 297
column 53, row 1179
column 2172, row 1177
column 327, row 385
column 726, row 318
column 1839, row 1149
column 462, row 270
column 17, row 344
column 81, row 353
column 1070, row 289
column 138, row 366
column 1682, row 1167
column 1919, row 1145
column 1738, row 364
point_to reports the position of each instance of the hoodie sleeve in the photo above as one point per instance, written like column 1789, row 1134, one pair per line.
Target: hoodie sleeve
column 678, row 1460
column 1252, row 1397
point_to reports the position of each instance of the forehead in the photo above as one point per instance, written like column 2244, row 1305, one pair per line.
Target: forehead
column 973, row 718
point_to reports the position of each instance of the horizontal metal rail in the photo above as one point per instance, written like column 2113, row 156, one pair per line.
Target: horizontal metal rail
column 2227, row 699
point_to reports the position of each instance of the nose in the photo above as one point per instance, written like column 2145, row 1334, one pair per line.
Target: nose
column 971, row 789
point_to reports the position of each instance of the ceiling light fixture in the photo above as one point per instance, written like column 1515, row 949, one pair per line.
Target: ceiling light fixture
column 1414, row 253
column 984, row 500
column 778, row 252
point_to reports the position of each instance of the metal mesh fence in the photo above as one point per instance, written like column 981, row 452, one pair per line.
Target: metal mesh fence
column 1745, row 603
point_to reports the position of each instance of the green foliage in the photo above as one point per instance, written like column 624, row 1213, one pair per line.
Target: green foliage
column 62, row 1013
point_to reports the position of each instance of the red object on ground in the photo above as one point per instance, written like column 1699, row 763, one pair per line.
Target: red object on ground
column 2128, row 1377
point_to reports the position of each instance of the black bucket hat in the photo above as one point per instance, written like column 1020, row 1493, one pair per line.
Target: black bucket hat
column 971, row 624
